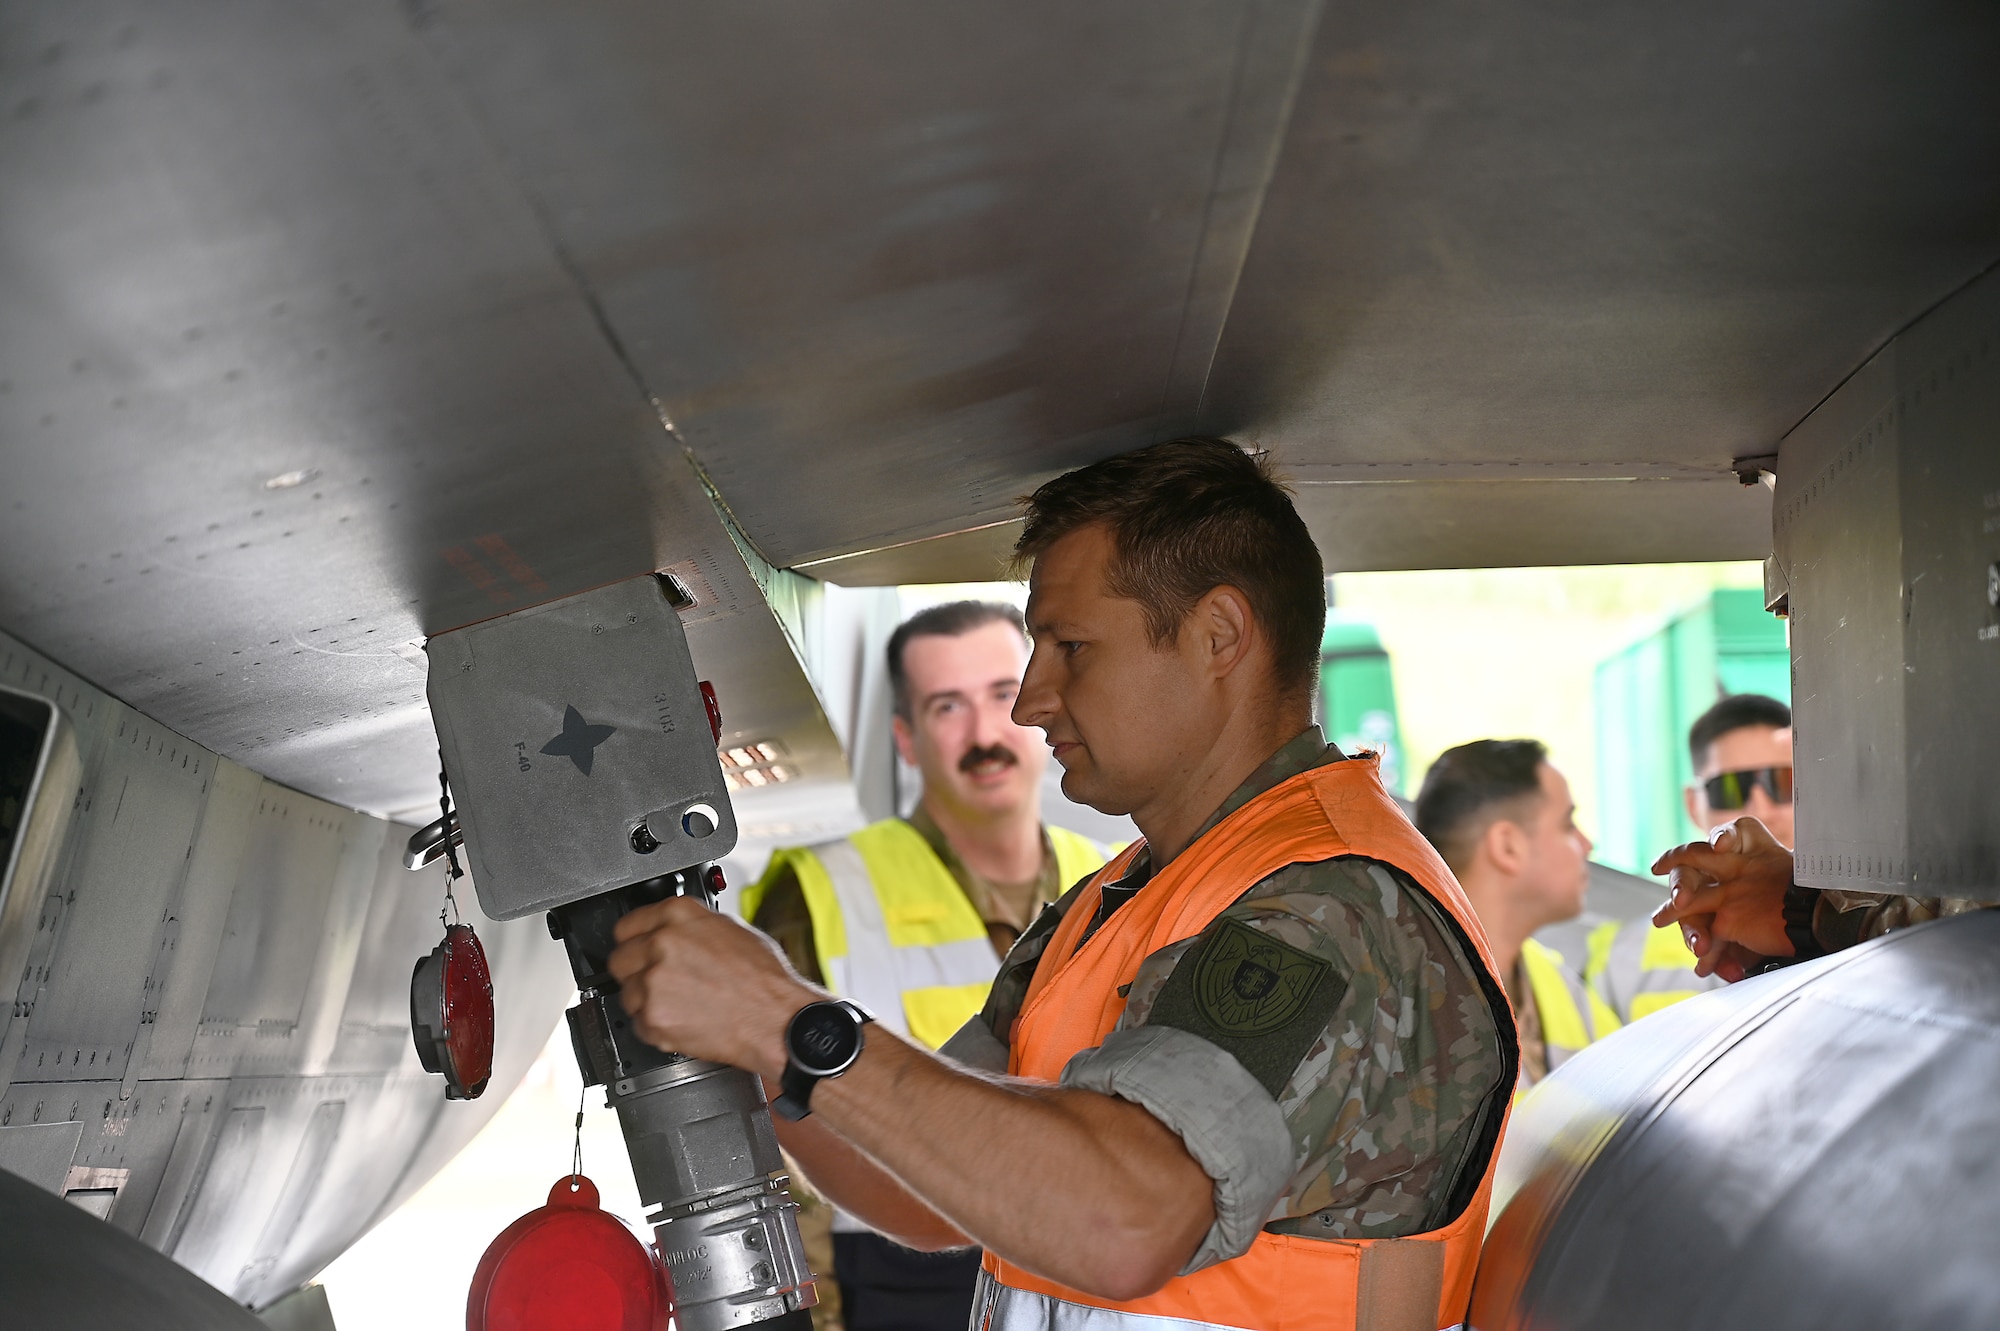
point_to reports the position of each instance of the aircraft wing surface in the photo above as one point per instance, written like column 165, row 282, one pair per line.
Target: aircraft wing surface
column 329, row 326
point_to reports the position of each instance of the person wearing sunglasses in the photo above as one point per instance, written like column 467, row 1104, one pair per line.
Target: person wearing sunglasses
column 1741, row 750
column 1732, row 898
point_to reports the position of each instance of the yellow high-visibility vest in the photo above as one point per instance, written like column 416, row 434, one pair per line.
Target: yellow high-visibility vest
column 1572, row 1015
column 1636, row 969
column 894, row 931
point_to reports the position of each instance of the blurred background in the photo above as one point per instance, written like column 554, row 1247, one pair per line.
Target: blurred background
column 1606, row 665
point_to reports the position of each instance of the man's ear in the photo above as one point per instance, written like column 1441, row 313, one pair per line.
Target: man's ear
column 1505, row 843
column 906, row 739
column 1691, row 797
column 1224, row 629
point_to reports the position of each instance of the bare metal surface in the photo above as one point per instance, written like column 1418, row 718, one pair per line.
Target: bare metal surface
column 1400, row 515
column 568, row 729
column 269, row 245
column 1888, row 528
column 1545, row 520
column 211, row 1021
column 709, row 1170
column 1617, row 234
column 1814, row 1148
column 327, row 327
column 919, row 251
column 322, row 388
column 977, row 554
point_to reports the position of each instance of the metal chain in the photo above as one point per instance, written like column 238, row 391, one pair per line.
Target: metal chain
column 576, row 1144
column 452, row 870
column 448, row 914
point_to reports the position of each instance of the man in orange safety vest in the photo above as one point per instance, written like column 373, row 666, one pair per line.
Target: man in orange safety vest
column 1251, row 1074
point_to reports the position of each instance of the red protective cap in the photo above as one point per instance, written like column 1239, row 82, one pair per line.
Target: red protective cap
column 568, row 1266
column 714, row 710
column 468, row 1008
column 451, row 1013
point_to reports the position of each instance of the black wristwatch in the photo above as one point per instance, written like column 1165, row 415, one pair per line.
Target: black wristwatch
column 822, row 1041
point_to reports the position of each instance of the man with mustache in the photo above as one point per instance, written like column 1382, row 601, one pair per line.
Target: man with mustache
column 926, row 906
column 1251, row 1074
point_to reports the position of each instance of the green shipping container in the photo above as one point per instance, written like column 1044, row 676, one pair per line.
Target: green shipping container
column 1646, row 698
column 1358, row 694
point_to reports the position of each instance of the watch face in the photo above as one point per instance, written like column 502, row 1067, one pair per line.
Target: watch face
column 825, row 1038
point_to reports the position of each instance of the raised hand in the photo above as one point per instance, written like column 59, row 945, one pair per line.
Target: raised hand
column 702, row 984
column 1727, row 894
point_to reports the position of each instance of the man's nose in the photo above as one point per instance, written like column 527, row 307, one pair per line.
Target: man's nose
column 1035, row 704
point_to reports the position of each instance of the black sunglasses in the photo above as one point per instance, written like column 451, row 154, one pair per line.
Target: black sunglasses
column 1731, row 790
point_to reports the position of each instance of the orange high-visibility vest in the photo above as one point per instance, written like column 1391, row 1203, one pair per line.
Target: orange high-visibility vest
column 1284, row 1282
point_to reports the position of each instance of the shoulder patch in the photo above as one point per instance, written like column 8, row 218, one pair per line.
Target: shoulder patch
column 1259, row 998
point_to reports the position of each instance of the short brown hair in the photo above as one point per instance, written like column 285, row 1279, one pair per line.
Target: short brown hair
column 949, row 620
column 1473, row 786
column 1739, row 711
column 1186, row 517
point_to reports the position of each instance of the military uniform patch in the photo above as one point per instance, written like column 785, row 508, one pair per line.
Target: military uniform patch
column 1261, row 999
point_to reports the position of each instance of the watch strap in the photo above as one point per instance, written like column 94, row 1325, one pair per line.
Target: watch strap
column 796, row 1083
column 1801, row 909
column 797, row 1086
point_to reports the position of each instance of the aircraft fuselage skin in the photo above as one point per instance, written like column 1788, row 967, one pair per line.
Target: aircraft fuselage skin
column 210, row 1043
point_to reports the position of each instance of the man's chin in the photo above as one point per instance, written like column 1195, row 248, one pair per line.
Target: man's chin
column 1079, row 787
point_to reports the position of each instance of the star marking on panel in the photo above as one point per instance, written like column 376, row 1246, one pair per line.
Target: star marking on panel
column 579, row 739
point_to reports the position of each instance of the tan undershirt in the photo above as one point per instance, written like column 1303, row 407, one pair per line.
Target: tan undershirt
column 1007, row 908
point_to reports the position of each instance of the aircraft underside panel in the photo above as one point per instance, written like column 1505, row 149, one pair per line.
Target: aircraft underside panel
column 1888, row 557
column 209, row 1044
column 328, row 326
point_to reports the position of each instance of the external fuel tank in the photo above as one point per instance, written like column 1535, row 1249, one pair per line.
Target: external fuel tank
column 1818, row 1147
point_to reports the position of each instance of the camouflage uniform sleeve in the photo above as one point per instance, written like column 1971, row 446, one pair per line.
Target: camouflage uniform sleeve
column 1225, row 1118
column 1338, row 990
column 783, row 915
column 1842, row 919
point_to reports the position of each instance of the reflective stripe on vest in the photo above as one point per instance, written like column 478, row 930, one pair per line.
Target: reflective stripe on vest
column 1283, row 1282
column 1637, row 969
column 893, row 930
column 1572, row 1016
column 996, row 1307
